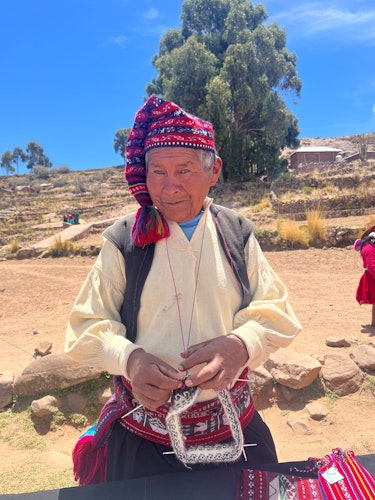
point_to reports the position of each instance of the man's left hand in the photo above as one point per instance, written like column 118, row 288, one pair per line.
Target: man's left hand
column 222, row 356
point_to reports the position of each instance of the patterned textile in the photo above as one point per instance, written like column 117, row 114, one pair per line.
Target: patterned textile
column 159, row 123
column 341, row 476
column 262, row 485
column 203, row 423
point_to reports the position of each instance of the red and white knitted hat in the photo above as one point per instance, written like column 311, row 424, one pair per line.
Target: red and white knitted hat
column 159, row 124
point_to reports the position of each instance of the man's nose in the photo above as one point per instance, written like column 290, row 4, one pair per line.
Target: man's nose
column 171, row 183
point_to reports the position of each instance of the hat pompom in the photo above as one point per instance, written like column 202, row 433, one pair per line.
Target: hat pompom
column 149, row 226
column 357, row 244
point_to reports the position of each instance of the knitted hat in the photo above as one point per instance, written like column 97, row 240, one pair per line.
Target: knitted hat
column 159, row 124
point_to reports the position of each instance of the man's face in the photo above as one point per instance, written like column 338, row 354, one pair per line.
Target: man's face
column 177, row 181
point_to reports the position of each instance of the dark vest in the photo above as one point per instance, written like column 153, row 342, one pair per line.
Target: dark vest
column 233, row 230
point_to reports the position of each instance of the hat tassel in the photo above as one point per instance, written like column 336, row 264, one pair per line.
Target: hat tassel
column 149, row 226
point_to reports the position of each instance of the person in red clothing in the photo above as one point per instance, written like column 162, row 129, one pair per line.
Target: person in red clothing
column 366, row 287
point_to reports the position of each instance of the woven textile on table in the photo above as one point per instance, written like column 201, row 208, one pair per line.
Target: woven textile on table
column 262, row 485
column 341, row 476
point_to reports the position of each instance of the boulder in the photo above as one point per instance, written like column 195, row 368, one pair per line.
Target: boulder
column 44, row 407
column 6, row 389
column 341, row 375
column 55, row 371
column 293, row 369
column 364, row 357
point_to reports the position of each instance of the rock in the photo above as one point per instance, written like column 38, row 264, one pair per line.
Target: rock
column 24, row 253
column 341, row 375
column 104, row 395
column 364, row 356
column 316, row 411
column 337, row 342
column 56, row 371
column 76, row 402
column 292, row 369
column 43, row 348
column 44, row 407
column 286, row 393
column 6, row 389
column 298, row 425
column 260, row 380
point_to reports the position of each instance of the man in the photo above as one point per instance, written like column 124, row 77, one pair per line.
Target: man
column 179, row 334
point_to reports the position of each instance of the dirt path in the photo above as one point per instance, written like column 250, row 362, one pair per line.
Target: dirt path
column 37, row 295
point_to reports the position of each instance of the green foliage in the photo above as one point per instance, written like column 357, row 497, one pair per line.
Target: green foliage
column 225, row 65
column 6, row 162
column 119, row 142
column 35, row 156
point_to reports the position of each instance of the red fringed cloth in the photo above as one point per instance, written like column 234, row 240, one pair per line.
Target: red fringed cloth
column 341, row 476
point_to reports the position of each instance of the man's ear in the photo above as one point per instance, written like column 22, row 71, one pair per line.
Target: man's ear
column 216, row 170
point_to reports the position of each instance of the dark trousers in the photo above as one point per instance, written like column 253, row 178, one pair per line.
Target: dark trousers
column 130, row 456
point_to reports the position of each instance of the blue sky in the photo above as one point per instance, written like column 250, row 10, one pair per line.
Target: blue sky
column 75, row 71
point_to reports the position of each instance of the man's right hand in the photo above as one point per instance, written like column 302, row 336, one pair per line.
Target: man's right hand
column 152, row 380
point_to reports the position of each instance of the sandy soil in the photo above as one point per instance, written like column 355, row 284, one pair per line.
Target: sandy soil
column 37, row 295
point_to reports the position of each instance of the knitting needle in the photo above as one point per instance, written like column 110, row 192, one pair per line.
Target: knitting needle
column 131, row 411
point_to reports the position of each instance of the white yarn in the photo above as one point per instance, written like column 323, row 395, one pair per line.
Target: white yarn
column 215, row 453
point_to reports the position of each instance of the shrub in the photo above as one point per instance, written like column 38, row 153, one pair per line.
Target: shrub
column 290, row 232
column 14, row 245
column 61, row 248
column 316, row 226
column 41, row 172
column 63, row 169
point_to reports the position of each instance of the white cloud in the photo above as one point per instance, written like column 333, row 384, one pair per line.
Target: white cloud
column 319, row 18
column 151, row 14
column 120, row 41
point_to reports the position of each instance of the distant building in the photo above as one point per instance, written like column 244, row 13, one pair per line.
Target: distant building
column 313, row 154
column 370, row 156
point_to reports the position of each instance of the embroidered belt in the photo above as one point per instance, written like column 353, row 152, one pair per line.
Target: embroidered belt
column 203, row 423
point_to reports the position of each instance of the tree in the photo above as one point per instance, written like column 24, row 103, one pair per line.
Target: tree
column 225, row 65
column 35, row 156
column 362, row 141
column 120, row 140
column 6, row 162
column 17, row 156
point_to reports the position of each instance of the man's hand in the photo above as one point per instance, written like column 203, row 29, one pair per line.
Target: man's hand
column 222, row 356
column 152, row 380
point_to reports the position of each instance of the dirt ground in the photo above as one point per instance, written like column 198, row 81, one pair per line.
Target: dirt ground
column 37, row 295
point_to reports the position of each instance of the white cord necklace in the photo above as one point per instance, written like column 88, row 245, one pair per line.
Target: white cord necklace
column 183, row 399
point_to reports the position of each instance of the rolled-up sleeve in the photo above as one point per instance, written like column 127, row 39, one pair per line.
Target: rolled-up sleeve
column 95, row 334
column 268, row 322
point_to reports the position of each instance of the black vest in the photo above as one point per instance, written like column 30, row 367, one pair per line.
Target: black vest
column 233, row 230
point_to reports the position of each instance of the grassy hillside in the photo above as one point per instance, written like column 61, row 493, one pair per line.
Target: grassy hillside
column 32, row 207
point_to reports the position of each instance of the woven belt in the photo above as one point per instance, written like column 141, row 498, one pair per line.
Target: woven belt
column 203, row 423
